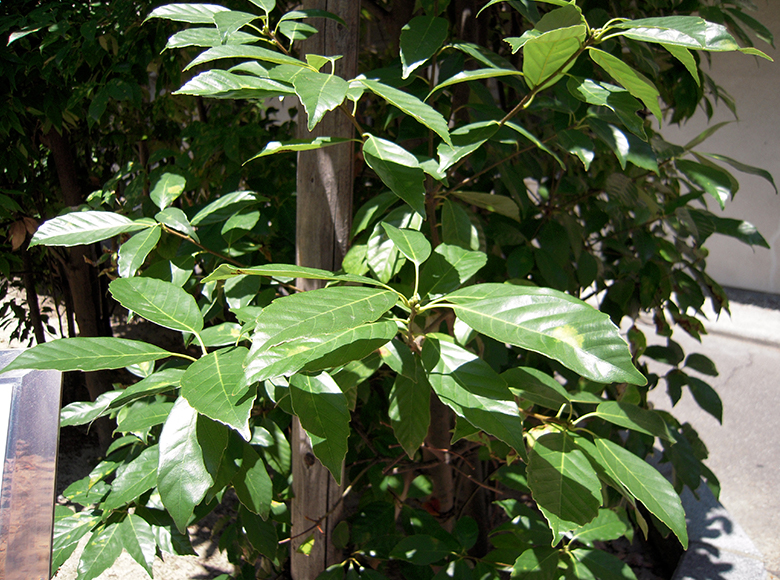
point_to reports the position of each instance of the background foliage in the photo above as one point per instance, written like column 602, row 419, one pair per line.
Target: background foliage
column 509, row 169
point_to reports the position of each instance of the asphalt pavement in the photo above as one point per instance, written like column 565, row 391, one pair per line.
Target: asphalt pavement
column 744, row 452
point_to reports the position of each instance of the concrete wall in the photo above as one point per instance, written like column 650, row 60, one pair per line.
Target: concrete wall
column 755, row 139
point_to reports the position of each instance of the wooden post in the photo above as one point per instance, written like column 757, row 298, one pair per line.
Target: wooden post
column 324, row 214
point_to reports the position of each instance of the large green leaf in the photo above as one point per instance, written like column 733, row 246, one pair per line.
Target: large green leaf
column 138, row 477
column 412, row 106
column 167, row 188
column 261, row 534
column 410, row 243
column 319, row 93
column 686, row 31
column 600, row 565
column 220, row 84
column 563, row 483
column 548, row 56
column 190, row 13
column 474, row 75
column 712, row 180
column 398, row 169
column 745, row 168
column 159, row 382
column 551, row 323
column 410, row 396
column 177, row 220
column 539, row 563
column 182, row 477
column 134, row 251
column 68, row 531
column 382, row 256
column 225, row 206
column 615, row 98
column 83, row 412
column 579, row 144
column 215, row 386
column 322, row 408
column 244, row 51
column 471, row 388
column 86, row 354
column 635, row 82
column 634, row 417
column 448, row 268
column 645, row 484
column 83, row 227
column 499, row 204
column 465, row 140
column 252, row 484
column 158, row 301
column 537, row 387
column 607, row 526
column 101, row 551
column 137, row 537
column 206, row 38
column 142, row 416
column 686, row 58
column 285, row 272
column 420, row 39
column 273, row 147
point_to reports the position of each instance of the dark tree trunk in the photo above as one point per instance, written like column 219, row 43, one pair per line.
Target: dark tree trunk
column 324, row 214
column 32, row 296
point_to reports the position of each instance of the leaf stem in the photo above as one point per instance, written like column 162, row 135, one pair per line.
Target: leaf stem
column 202, row 247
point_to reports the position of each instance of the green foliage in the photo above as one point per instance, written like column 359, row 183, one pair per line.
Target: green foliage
column 509, row 202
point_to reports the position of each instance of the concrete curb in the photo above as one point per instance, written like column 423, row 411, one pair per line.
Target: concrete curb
column 719, row 549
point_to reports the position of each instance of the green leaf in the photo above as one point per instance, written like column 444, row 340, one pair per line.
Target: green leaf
column 177, row 220
column 465, row 140
column 686, row 58
column 225, row 334
column 420, row 39
column 313, row 13
column 137, row 478
column 706, row 397
column 322, row 408
column 412, row 106
column 448, row 268
column 252, row 484
column 548, row 56
column 83, row 227
column 191, row 13
column 537, row 387
column 607, row 526
column 471, row 388
column 261, row 534
column 410, row 396
column 712, row 180
column 160, row 302
column 206, row 38
column 220, row 84
column 319, row 93
column 456, row 227
column 382, row 257
column 474, row 75
column 370, row 211
column 535, row 140
column 420, row 550
column 634, row 417
column 142, row 416
column 563, row 483
column 550, row 323
column 298, row 145
column 134, row 251
column 687, row 31
column 626, row 146
column 230, row 22
column 81, row 412
column 167, row 188
column 136, row 536
column 86, row 354
column 285, row 272
column 702, row 364
column 225, row 206
column 67, row 532
column 499, row 204
column 579, row 144
column 398, row 169
column 600, row 565
column 410, row 243
column 645, row 484
column 244, row 51
column 182, row 477
column 101, row 551
column 215, row 386
column 156, row 383
column 744, row 168
column 635, row 82
column 614, row 98
column 538, row 563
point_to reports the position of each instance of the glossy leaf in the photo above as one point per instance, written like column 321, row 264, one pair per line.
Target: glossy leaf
column 190, row 13
column 138, row 477
column 550, row 323
column 420, row 549
column 499, row 204
column 600, row 565
column 67, row 532
column 86, row 354
column 222, row 84
column 142, row 416
column 319, row 93
column 177, row 220
column 457, row 229
column 83, row 412
column 473, row 390
column 285, row 272
column 712, row 180
column 410, row 243
column 745, row 168
column 465, row 140
column 160, row 302
column 645, row 484
column 607, row 526
column 563, row 482
column 101, row 551
column 134, row 251
column 540, row 563
column 252, row 484
column 398, row 169
column 243, row 51
column 634, row 417
column 537, row 387
column 322, row 408
column 614, row 98
column 159, row 382
column 216, row 387
column 687, row 31
column 167, row 188
column 261, row 534
column 548, row 56
column 448, row 268
column 299, row 145
column 578, row 144
column 412, row 106
column 137, row 538
column 206, row 38
column 182, row 477
column 706, row 397
column 473, row 75
column 420, row 39
column 225, row 206
column 382, row 257
column 686, row 58
column 83, row 227
column 635, row 82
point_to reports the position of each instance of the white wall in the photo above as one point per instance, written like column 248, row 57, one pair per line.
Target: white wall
column 754, row 139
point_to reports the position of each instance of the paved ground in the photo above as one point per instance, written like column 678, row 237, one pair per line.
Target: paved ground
column 745, row 450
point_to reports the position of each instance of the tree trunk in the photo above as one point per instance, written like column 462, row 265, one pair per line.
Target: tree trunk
column 324, row 214
column 32, row 296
